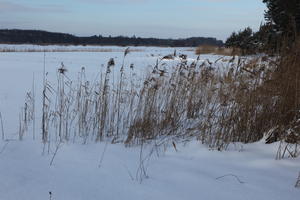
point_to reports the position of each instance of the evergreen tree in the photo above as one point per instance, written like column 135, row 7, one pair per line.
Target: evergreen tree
column 281, row 28
column 283, row 15
column 243, row 40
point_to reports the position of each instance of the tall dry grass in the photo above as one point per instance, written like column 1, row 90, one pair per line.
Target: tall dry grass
column 197, row 101
column 210, row 49
column 251, row 98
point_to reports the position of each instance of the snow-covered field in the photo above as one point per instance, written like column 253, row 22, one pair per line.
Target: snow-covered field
column 19, row 68
column 111, row 171
column 191, row 173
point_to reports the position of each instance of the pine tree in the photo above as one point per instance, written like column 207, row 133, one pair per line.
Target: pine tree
column 282, row 14
column 242, row 40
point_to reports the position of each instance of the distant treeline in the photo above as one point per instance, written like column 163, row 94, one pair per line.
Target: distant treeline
column 16, row 36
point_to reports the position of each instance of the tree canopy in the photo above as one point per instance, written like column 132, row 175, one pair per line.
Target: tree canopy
column 282, row 27
column 283, row 15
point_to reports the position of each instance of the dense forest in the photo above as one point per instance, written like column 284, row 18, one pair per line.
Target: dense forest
column 280, row 30
column 16, row 36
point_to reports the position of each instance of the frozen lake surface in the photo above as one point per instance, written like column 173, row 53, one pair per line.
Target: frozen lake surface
column 106, row 171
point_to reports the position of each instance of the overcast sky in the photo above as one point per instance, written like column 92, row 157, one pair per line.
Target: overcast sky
column 144, row 18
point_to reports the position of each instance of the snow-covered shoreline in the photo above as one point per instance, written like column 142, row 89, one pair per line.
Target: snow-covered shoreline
column 112, row 171
column 193, row 172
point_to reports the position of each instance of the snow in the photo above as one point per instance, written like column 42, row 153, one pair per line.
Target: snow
column 112, row 171
column 18, row 69
column 190, row 173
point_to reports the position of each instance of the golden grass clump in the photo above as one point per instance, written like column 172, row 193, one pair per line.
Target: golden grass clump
column 251, row 98
column 210, row 49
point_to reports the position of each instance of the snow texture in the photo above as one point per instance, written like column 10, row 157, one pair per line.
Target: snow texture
column 111, row 171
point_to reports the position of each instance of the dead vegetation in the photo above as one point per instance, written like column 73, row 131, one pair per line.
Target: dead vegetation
column 247, row 100
column 209, row 49
column 66, row 49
